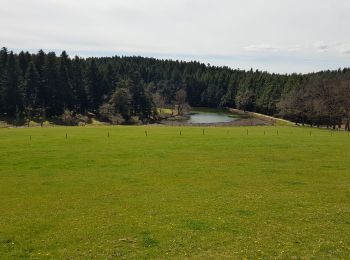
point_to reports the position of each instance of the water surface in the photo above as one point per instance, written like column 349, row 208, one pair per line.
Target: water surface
column 204, row 117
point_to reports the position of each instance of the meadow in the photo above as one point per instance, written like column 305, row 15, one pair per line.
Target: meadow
column 113, row 192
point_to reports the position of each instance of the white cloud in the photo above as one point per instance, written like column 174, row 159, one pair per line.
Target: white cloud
column 271, row 48
column 177, row 28
column 343, row 48
column 262, row 47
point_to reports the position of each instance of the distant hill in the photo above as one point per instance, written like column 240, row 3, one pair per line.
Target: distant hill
column 47, row 84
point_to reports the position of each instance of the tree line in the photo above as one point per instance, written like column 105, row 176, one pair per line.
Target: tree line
column 321, row 100
column 119, row 89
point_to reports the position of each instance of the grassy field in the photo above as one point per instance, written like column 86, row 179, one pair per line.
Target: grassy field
column 271, row 192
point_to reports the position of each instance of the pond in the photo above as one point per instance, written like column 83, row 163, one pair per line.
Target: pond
column 210, row 117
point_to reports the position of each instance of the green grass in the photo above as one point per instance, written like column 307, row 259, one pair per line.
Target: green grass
column 224, row 194
column 165, row 110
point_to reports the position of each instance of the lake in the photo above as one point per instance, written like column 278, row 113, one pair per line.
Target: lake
column 210, row 117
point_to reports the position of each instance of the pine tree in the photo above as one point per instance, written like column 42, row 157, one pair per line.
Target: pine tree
column 48, row 92
column 93, row 85
column 23, row 61
column 3, row 64
column 78, row 87
column 64, row 95
column 30, row 87
column 30, row 90
column 12, row 96
column 41, row 67
column 40, row 62
column 109, row 80
column 3, row 59
column 141, row 102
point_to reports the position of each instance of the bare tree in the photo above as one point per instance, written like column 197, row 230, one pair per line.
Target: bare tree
column 180, row 101
column 292, row 106
column 159, row 101
column 245, row 100
column 344, row 98
column 318, row 102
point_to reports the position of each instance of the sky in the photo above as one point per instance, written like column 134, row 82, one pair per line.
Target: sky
column 281, row 36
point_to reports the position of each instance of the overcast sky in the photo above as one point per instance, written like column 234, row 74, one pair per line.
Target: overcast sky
column 274, row 35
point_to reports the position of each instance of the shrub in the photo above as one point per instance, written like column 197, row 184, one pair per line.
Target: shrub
column 68, row 117
column 117, row 119
column 134, row 120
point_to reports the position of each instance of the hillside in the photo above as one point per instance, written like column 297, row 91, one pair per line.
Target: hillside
column 45, row 85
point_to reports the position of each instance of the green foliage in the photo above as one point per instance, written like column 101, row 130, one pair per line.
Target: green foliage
column 94, row 85
column 121, row 102
column 12, row 96
column 245, row 100
column 83, row 85
column 30, row 87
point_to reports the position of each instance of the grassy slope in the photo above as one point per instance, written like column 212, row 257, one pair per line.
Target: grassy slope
column 222, row 194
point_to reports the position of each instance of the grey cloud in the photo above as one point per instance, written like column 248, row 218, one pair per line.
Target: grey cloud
column 321, row 47
column 199, row 28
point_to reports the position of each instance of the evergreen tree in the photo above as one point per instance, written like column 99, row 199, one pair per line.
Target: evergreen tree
column 30, row 91
column 109, row 80
column 64, row 96
column 121, row 102
column 51, row 84
column 24, row 59
column 30, row 87
column 3, row 64
column 93, row 85
column 141, row 102
column 78, row 87
column 12, row 96
column 41, row 68
column 40, row 63
column 48, row 92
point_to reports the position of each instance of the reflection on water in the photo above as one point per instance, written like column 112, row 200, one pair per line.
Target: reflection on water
column 198, row 117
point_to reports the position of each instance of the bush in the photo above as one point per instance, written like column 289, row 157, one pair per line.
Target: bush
column 117, row 119
column 68, row 117
column 134, row 120
column 82, row 120
column 106, row 111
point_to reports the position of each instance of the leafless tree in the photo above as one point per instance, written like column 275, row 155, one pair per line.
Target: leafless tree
column 344, row 98
column 159, row 101
column 180, row 103
column 318, row 102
